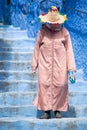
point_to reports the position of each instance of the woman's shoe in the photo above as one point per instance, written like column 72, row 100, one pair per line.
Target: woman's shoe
column 57, row 114
column 46, row 115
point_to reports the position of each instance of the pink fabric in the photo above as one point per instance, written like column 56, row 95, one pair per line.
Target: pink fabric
column 53, row 55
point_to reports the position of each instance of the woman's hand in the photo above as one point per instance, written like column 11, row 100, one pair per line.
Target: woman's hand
column 33, row 72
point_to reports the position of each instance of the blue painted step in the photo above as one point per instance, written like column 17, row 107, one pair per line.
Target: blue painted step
column 8, row 32
column 7, row 27
column 26, row 123
column 30, row 42
column 17, row 49
column 31, row 111
column 23, row 98
column 11, row 34
column 18, row 85
column 31, row 85
column 17, row 75
column 25, row 65
column 15, row 65
column 15, row 56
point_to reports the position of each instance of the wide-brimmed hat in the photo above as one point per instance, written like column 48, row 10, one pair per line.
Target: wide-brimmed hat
column 53, row 17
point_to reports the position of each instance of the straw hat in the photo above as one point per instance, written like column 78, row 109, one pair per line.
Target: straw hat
column 53, row 17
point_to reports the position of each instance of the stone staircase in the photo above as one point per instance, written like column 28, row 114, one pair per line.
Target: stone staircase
column 18, row 89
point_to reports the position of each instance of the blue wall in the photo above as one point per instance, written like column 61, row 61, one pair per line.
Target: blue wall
column 77, row 25
column 24, row 14
column 1, row 11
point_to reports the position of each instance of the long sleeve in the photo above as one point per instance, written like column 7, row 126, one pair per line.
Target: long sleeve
column 36, row 52
column 71, row 66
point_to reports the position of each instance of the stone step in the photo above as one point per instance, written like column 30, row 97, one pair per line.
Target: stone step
column 17, row 75
column 12, row 34
column 31, row 111
column 26, row 98
column 8, row 27
column 15, row 70
column 18, row 86
column 31, row 123
column 16, row 98
column 20, row 43
column 17, row 49
column 31, row 85
column 25, row 65
column 15, row 65
column 15, row 56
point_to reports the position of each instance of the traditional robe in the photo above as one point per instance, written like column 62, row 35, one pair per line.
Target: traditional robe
column 53, row 56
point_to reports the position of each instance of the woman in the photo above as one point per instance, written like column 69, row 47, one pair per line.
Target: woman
column 54, row 58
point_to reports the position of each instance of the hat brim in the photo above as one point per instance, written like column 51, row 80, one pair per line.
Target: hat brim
column 43, row 19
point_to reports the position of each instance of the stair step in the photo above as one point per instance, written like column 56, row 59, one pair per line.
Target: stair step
column 17, row 75
column 31, row 111
column 18, row 85
column 26, row 123
column 15, row 56
column 17, row 43
column 17, row 49
column 31, row 85
column 23, row 98
column 15, row 65
column 12, row 34
column 16, row 98
column 8, row 27
column 25, row 65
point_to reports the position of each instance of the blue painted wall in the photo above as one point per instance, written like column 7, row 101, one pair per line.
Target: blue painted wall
column 1, row 11
column 77, row 25
column 24, row 14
